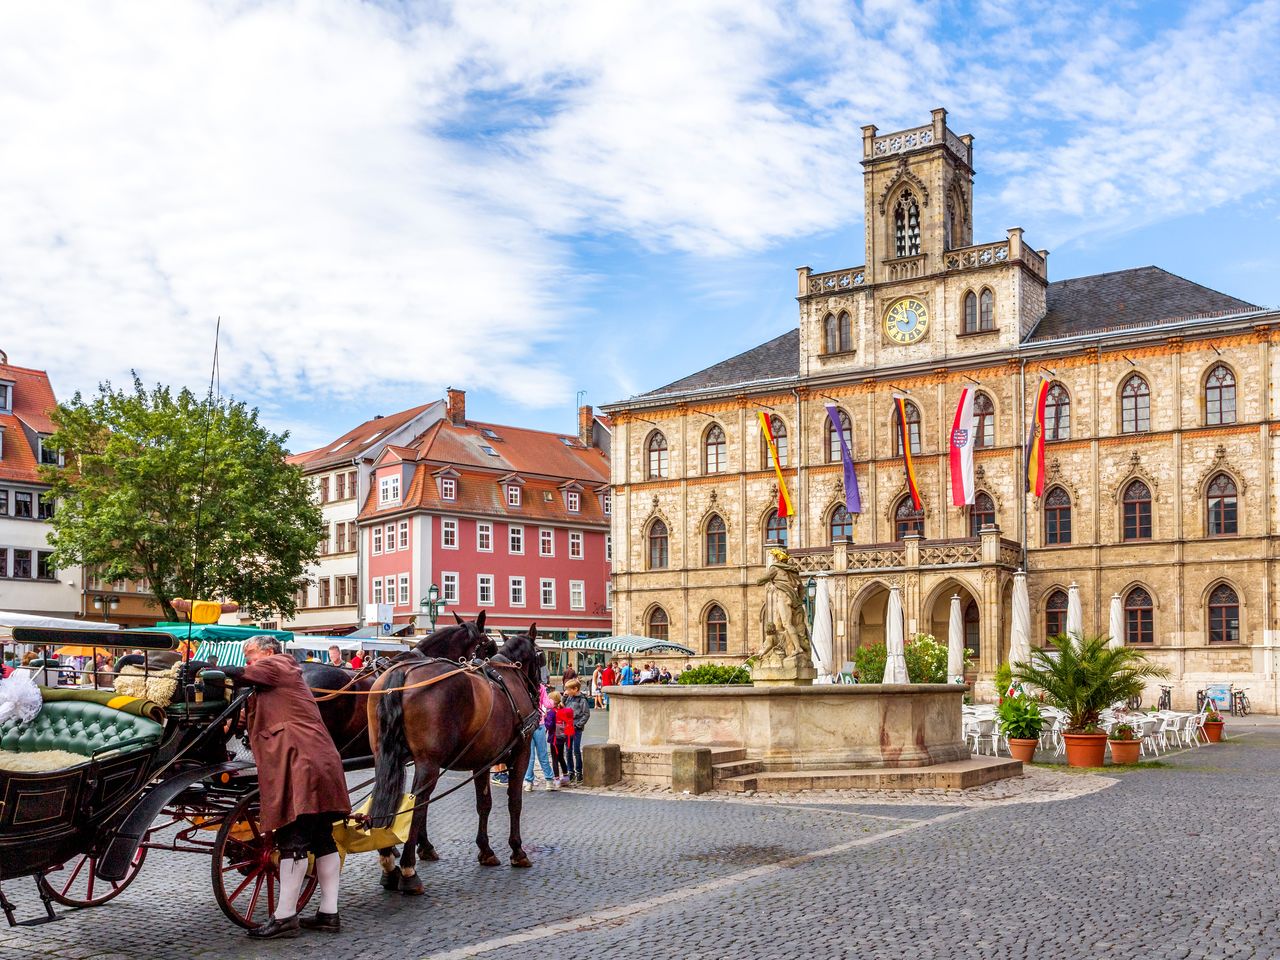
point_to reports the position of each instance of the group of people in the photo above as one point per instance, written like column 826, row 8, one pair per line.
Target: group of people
column 557, row 740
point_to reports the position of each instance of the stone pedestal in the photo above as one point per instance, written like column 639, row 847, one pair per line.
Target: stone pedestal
column 792, row 672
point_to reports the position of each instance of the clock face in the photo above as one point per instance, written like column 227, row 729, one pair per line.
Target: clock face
column 906, row 321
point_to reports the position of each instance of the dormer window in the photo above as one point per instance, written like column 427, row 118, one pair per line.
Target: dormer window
column 389, row 489
column 606, row 502
column 48, row 454
column 6, row 397
column 513, row 495
column 573, row 500
column 448, row 488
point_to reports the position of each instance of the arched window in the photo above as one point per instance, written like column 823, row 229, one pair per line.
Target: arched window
column 1057, row 516
column 1139, row 620
column 1137, row 511
column 906, row 226
column 846, row 331
column 1224, row 615
column 833, row 437
column 970, row 312
column 986, row 311
column 659, row 627
column 658, row 462
column 780, row 441
column 1055, row 614
column 1220, row 396
column 716, row 553
column 981, row 514
column 984, row 422
column 717, row 630
column 913, row 430
column 715, row 455
column 971, row 635
column 1223, row 516
column 658, row 543
column 1057, row 413
column 775, row 529
column 830, row 335
column 907, row 519
column 1135, row 406
column 841, row 525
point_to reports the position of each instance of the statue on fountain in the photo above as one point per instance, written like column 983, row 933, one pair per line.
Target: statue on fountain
column 785, row 657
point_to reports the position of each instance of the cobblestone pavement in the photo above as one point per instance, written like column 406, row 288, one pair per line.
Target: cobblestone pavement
column 1170, row 861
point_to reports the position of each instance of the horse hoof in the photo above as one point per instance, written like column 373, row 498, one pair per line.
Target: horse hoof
column 428, row 853
column 521, row 861
column 488, row 859
column 391, row 880
column 412, row 886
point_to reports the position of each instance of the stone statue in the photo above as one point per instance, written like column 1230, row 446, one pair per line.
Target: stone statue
column 785, row 655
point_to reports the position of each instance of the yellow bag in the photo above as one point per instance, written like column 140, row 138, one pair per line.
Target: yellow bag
column 353, row 839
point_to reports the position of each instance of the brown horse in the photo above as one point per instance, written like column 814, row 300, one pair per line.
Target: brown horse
column 469, row 720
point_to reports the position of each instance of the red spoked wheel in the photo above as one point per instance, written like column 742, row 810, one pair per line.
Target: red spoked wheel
column 76, row 883
column 246, row 870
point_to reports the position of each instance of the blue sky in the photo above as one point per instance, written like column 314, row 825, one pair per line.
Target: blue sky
column 528, row 200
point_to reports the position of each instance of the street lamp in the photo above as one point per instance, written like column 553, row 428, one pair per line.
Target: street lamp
column 810, row 592
column 106, row 605
column 431, row 604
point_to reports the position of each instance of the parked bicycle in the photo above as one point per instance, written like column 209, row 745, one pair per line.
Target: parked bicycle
column 1240, row 703
column 1166, row 698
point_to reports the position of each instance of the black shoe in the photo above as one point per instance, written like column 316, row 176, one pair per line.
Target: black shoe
column 328, row 922
column 275, row 929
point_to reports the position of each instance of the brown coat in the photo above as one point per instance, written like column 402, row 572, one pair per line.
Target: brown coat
column 298, row 766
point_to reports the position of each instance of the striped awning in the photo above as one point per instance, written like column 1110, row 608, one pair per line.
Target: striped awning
column 227, row 653
column 626, row 643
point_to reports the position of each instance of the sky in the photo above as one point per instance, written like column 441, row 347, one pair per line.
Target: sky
column 532, row 199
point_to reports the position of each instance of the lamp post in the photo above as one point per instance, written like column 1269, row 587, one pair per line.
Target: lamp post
column 106, row 605
column 810, row 592
column 431, row 604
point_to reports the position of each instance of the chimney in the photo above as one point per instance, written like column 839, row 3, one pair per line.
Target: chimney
column 586, row 423
column 457, row 406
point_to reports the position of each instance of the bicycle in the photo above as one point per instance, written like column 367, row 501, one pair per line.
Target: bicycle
column 1166, row 698
column 1134, row 703
column 1240, row 703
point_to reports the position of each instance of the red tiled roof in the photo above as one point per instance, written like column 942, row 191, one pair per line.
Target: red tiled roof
column 33, row 402
column 17, row 460
column 355, row 440
column 480, row 492
column 515, row 449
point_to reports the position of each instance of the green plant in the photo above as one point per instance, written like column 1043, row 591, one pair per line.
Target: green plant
column 1020, row 718
column 1003, row 677
column 1083, row 676
column 705, row 673
column 1122, row 731
column 926, row 660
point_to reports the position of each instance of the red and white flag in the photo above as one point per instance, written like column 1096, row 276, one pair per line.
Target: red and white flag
column 962, row 451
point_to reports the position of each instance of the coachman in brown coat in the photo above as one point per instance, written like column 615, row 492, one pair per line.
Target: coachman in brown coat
column 303, row 787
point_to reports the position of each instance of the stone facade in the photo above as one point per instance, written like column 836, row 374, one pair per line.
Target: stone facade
column 1089, row 335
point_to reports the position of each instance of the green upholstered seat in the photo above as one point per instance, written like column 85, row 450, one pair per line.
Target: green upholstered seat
column 79, row 727
column 209, row 708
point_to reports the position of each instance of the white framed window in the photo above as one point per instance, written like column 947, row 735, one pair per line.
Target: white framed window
column 448, row 534
column 513, row 495
column 389, row 489
column 6, row 398
column 391, row 538
column 573, row 500
column 548, row 591
column 608, row 547
column 577, row 595
column 484, row 589
column 608, row 596
column 606, row 502
column 515, row 539
column 404, row 589
column 377, row 540
column 575, row 544
column 484, row 537
column 546, row 543
column 404, row 534
column 377, row 589
column 449, row 586
column 448, row 488
column 517, row 591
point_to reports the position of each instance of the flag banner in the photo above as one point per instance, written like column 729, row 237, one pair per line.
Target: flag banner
column 1035, row 443
column 961, row 444
column 784, row 498
column 852, row 499
column 904, row 436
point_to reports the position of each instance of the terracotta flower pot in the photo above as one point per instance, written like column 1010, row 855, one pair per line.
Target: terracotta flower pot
column 1213, row 731
column 1125, row 751
column 1085, row 749
column 1024, row 750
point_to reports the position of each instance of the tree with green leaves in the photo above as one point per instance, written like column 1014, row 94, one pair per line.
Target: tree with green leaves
column 193, row 495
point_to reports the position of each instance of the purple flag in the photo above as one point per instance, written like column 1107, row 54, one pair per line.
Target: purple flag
column 852, row 500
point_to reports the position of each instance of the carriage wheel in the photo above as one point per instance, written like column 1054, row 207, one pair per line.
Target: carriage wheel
column 76, row 883
column 246, row 871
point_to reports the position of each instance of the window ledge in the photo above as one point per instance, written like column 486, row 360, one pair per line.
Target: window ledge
column 837, row 355
column 978, row 333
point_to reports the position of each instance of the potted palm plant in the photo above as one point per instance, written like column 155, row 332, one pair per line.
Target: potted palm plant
column 1213, row 726
column 1082, row 676
column 1021, row 723
column 1125, row 744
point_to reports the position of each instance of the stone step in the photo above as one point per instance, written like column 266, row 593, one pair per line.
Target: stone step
column 740, row 784
column 736, row 768
column 957, row 775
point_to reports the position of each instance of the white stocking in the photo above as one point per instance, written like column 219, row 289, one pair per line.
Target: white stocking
column 328, row 868
column 292, row 874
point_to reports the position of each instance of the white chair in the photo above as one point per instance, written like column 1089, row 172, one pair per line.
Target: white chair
column 984, row 728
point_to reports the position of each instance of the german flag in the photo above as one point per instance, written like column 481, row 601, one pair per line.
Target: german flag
column 1035, row 443
column 904, row 437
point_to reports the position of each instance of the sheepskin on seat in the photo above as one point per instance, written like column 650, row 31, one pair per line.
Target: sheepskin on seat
column 40, row 761
column 160, row 687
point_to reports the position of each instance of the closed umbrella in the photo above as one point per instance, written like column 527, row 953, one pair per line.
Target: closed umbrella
column 1075, row 615
column 1020, row 635
column 1117, row 623
column 895, row 665
column 955, row 642
column 820, row 639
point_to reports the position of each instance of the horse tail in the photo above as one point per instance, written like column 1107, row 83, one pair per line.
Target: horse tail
column 393, row 753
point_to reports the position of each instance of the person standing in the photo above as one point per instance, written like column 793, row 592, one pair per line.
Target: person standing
column 581, row 707
column 608, row 677
column 335, row 658
column 628, row 677
column 539, row 751
column 550, row 722
column 597, row 687
column 564, row 737
column 302, row 784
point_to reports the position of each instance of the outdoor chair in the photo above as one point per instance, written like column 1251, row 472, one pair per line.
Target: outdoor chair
column 984, row 729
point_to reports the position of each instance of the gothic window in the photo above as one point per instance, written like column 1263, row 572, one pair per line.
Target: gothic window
column 913, row 430
column 1137, row 511
column 981, row 514
column 1055, row 614
column 1057, row 413
column 715, row 457
column 657, row 451
column 833, row 437
column 1220, row 396
column 830, row 335
column 970, row 312
column 775, row 529
column 659, row 624
column 716, row 552
column 717, row 630
column 1057, row 516
column 1139, row 619
column 1223, row 515
column 971, row 628
column 907, row 519
column 841, row 525
column 658, row 546
column 1135, row 406
column 779, row 440
column 1224, row 615
column 845, row 325
column 986, row 311
column 984, row 422
column 906, row 226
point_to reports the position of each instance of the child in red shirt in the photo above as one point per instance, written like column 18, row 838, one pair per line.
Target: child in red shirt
column 564, row 736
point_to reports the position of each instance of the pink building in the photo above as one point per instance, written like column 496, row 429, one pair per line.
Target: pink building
column 510, row 521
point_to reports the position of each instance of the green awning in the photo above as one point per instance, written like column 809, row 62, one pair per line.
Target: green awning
column 627, row 643
column 216, row 641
